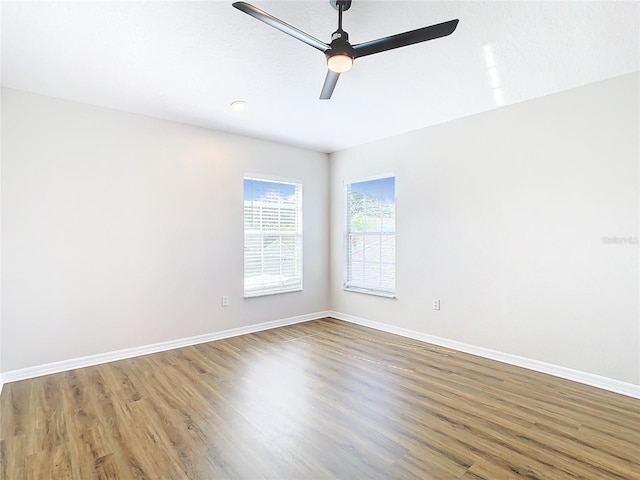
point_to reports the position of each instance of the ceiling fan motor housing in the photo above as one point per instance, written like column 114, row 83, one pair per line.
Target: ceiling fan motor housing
column 339, row 45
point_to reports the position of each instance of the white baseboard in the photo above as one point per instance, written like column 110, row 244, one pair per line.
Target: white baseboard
column 628, row 389
column 605, row 383
column 64, row 365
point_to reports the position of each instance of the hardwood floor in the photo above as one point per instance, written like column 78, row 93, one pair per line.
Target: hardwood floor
column 322, row 399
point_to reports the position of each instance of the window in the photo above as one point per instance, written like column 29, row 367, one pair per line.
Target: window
column 272, row 235
column 370, row 238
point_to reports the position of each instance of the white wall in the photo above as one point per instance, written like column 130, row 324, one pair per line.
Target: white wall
column 1, row 370
column 502, row 216
column 121, row 230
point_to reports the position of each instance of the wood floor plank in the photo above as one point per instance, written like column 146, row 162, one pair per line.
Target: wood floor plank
column 317, row 400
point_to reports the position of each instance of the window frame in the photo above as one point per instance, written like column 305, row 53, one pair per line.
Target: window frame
column 348, row 284
column 285, row 287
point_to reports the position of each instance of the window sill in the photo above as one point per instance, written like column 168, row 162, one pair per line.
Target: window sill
column 368, row 291
column 272, row 292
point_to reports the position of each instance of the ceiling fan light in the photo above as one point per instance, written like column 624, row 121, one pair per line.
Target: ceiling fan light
column 340, row 63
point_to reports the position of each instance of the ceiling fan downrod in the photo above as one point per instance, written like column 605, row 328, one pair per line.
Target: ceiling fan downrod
column 340, row 54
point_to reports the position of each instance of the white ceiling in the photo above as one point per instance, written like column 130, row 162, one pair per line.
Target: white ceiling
column 187, row 61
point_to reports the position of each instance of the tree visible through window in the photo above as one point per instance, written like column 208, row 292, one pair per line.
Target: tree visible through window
column 272, row 236
column 370, row 238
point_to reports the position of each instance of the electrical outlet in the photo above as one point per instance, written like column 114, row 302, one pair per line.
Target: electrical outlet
column 436, row 304
column 225, row 301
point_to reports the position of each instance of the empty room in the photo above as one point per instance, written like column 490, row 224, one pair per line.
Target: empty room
column 323, row 239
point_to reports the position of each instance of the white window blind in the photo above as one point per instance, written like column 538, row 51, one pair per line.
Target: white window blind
column 272, row 236
column 370, row 236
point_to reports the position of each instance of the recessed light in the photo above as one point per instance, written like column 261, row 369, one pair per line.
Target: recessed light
column 239, row 106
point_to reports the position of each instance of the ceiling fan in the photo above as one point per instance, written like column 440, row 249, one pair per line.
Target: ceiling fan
column 340, row 53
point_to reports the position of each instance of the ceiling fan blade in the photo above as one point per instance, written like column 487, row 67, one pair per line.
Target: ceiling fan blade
column 329, row 84
column 280, row 25
column 406, row 38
